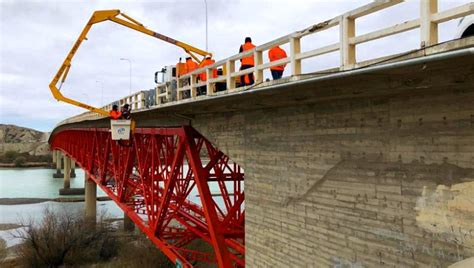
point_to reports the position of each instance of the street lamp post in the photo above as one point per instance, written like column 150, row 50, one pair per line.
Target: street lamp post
column 130, row 64
column 207, row 49
column 101, row 92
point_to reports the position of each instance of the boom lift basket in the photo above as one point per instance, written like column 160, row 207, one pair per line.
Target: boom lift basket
column 120, row 129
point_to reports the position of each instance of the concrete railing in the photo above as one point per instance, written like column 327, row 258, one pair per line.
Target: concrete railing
column 136, row 102
column 187, row 85
column 427, row 22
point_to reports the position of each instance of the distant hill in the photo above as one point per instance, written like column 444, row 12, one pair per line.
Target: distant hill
column 21, row 140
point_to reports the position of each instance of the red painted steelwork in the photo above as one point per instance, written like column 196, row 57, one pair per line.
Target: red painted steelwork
column 151, row 179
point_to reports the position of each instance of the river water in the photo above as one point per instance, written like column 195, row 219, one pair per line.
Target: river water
column 39, row 183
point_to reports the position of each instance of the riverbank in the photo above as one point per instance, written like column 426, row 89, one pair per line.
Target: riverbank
column 9, row 226
column 26, row 201
column 27, row 165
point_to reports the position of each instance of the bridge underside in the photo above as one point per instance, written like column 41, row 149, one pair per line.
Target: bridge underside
column 353, row 169
column 174, row 185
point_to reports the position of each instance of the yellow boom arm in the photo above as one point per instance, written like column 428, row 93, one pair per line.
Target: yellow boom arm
column 112, row 15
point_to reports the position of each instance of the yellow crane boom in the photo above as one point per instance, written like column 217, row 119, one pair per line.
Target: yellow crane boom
column 122, row 19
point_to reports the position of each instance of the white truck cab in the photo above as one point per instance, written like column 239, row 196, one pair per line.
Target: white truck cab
column 465, row 27
column 166, row 84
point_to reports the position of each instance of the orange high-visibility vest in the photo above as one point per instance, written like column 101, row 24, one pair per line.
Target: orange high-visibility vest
column 115, row 114
column 248, row 60
column 203, row 75
column 246, row 79
column 274, row 54
column 191, row 65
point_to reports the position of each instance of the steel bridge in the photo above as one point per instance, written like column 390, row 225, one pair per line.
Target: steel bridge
column 151, row 178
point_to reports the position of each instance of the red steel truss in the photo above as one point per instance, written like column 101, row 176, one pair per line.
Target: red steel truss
column 153, row 178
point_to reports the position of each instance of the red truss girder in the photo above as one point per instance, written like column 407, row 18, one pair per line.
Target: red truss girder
column 152, row 178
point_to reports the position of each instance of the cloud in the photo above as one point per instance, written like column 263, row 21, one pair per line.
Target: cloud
column 35, row 37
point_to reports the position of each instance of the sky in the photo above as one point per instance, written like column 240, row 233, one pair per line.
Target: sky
column 35, row 37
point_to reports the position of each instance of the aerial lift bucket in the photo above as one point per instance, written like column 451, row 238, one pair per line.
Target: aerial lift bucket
column 120, row 129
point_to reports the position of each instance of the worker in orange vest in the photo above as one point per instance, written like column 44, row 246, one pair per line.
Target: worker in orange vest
column 274, row 54
column 115, row 113
column 247, row 62
column 203, row 77
column 190, row 65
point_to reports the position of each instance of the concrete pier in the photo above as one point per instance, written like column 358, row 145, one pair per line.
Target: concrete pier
column 54, row 153
column 59, row 161
column 73, row 169
column 90, row 199
column 67, row 172
column 67, row 190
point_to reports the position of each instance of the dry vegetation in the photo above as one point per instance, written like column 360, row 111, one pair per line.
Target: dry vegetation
column 18, row 159
column 65, row 239
column 137, row 251
column 3, row 251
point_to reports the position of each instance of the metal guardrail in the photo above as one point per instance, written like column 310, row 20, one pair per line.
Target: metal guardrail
column 427, row 22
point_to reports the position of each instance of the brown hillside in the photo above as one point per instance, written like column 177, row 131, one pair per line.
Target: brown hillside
column 20, row 139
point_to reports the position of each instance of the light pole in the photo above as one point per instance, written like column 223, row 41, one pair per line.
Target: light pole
column 130, row 64
column 101, row 92
column 205, row 3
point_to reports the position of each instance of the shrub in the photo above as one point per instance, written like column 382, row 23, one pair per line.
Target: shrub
column 3, row 250
column 10, row 156
column 64, row 238
column 20, row 161
column 139, row 252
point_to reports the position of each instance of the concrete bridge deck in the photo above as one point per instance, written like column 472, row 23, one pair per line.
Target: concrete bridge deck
column 365, row 168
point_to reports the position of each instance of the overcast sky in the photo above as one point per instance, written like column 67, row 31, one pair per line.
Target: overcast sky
column 35, row 37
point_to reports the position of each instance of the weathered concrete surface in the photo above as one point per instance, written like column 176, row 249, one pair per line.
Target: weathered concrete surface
column 368, row 170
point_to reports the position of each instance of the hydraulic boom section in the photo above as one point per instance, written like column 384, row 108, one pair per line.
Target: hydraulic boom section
column 122, row 19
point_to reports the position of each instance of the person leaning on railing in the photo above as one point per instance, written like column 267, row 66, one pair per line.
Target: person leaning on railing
column 190, row 65
column 274, row 54
column 203, row 77
column 247, row 62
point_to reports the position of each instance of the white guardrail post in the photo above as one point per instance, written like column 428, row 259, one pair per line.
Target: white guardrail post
column 192, row 90
column 209, row 90
column 179, row 85
column 230, row 68
column 258, row 58
column 428, row 28
column 347, row 50
column 295, row 49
